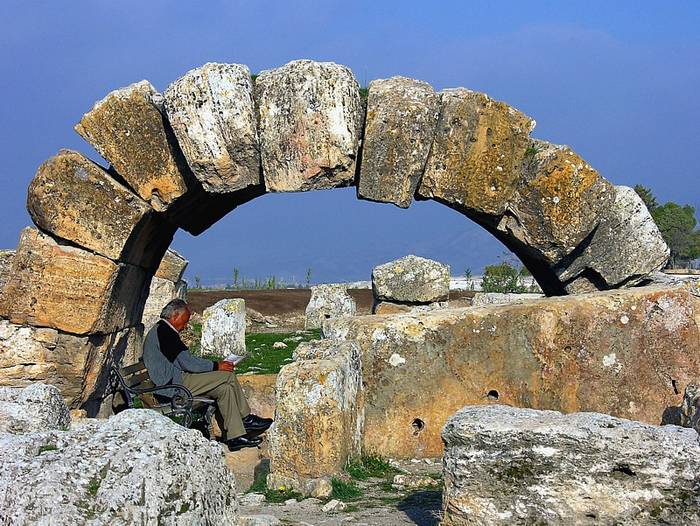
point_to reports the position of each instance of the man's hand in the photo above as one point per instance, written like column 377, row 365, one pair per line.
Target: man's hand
column 225, row 366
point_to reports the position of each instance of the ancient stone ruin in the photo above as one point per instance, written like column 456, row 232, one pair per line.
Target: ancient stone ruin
column 73, row 297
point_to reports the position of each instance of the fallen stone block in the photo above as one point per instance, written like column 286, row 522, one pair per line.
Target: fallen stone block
column 333, row 506
column 259, row 390
column 212, row 113
column 328, row 302
column 37, row 407
column 258, row 520
column 172, row 266
column 73, row 198
column 126, row 470
column 128, row 129
column 399, row 129
column 70, row 289
column 223, row 327
column 521, row 466
column 160, row 293
column 411, row 279
column 310, row 116
column 318, row 418
column 404, row 481
column 627, row 352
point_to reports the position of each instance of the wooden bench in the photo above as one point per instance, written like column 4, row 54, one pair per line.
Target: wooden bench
column 182, row 406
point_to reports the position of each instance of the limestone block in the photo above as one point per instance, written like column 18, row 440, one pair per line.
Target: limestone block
column 399, row 129
column 78, row 366
column 627, row 245
column 498, row 298
column 627, row 353
column 160, row 293
column 259, row 390
column 388, row 307
column 318, row 418
column 128, row 129
column 328, row 302
column 310, row 116
column 70, row 289
column 6, row 257
column 558, row 204
column 476, row 158
column 411, row 279
column 223, row 327
column 75, row 199
column 520, row 466
column 212, row 113
column 126, row 470
column 172, row 266
column 37, row 407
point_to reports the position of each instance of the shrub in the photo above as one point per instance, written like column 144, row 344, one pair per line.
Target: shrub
column 503, row 277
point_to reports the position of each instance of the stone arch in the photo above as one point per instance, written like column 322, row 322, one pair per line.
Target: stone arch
column 218, row 137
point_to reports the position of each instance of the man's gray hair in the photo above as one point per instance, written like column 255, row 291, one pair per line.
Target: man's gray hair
column 173, row 307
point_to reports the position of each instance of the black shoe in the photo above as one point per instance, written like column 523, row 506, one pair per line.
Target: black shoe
column 256, row 423
column 241, row 442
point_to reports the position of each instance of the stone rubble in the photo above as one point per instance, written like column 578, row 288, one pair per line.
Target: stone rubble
column 328, row 302
column 37, row 407
column 522, row 466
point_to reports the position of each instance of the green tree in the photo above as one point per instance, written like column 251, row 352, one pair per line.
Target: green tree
column 236, row 275
column 647, row 196
column 308, row 277
column 197, row 282
column 677, row 225
column 503, row 277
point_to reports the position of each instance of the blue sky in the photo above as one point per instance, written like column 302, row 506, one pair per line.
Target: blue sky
column 618, row 81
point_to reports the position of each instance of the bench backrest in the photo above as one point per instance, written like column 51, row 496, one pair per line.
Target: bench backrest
column 135, row 375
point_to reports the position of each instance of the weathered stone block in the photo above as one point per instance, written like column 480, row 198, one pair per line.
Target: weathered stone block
column 328, row 302
column 160, row 293
column 399, row 129
column 37, row 407
column 310, row 125
column 78, row 366
column 6, row 257
column 481, row 299
column 318, row 418
column 558, row 204
column 259, row 390
column 411, row 279
column 128, row 129
column 70, row 289
column 476, row 159
column 520, row 466
column 172, row 266
column 212, row 113
column 626, row 247
column 627, row 353
column 75, row 199
column 126, row 470
column 223, row 327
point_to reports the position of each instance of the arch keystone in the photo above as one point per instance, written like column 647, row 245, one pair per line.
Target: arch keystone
column 310, row 125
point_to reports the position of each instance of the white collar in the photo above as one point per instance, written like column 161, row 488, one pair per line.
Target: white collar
column 170, row 325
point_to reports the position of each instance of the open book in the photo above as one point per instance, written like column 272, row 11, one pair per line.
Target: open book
column 235, row 359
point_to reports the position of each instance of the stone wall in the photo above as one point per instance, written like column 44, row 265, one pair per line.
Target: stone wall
column 627, row 353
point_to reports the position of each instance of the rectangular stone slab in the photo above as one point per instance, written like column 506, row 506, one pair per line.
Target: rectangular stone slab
column 212, row 112
column 399, row 129
column 476, row 159
column 628, row 353
column 128, row 129
column 310, row 116
column 172, row 266
column 70, row 289
column 75, row 199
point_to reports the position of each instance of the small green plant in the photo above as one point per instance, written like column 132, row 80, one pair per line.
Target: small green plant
column 138, row 403
column 364, row 93
column 369, row 466
column 47, row 447
column 345, row 490
column 503, row 277
column 94, row 485
column 468, row 273
column 281, row 494
column 531, row 151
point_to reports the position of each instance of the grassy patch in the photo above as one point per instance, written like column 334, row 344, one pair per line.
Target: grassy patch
column 47, row 447
column 94, row 485
column 280, row 495
column 369, row 466
column 345, row 490
column 259, row 485
column 351, row 508
column 264, row 358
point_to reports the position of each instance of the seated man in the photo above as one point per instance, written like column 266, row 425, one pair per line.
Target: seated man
column 169, row 361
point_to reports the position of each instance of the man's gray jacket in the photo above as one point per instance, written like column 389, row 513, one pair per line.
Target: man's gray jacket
column 166, row 356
